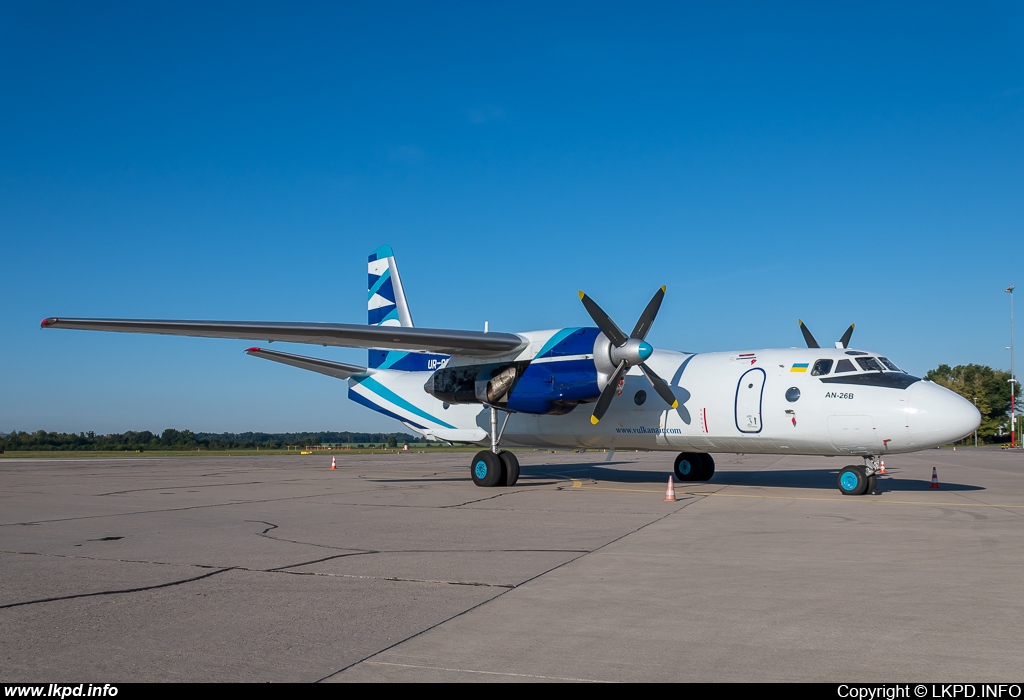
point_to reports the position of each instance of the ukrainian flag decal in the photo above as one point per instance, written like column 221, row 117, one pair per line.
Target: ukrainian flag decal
column 799, row 367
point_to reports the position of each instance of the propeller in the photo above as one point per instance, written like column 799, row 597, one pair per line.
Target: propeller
column 627, row 351
column 843, row 342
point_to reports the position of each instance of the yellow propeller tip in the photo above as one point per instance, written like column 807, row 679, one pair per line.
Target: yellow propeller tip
column 582, row 295
column 663, row 287
column 593, row 420
column 675, row 404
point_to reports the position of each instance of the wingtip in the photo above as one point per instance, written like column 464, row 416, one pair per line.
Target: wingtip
column 48, row 322
column 249, row 351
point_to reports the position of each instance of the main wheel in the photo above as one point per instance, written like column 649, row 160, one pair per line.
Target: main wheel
column 511, row 463
column 487, row 469
column 689, row 467
column 709, row 466
column 872, row 484
column 853, row 480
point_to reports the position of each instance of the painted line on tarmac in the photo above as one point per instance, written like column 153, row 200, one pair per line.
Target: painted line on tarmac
column 578, row 484
column 485, row 673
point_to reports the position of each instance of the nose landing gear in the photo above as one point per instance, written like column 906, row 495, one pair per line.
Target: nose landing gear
column 856, row 480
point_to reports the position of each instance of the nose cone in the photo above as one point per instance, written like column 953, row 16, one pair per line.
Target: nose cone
column 645, row 350
column 938, row 416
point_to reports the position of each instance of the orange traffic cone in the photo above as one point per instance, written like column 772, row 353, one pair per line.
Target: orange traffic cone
column 670, row 492
column 935, row 479
column 334, row 464
column 881, row 469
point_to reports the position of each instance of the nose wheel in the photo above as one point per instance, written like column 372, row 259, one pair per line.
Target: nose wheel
column 856, row 480
column 853, row 480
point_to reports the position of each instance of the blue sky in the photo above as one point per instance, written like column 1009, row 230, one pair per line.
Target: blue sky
column 767, row 162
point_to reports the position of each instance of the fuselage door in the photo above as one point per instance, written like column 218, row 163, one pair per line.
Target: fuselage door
column 854, row 434
column 748, row 401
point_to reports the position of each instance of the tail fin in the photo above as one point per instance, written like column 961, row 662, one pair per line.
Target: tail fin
column 385, row 305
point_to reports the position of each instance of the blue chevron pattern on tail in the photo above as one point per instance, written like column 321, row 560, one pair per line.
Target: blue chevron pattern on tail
column 382, row 303
column 386, row 306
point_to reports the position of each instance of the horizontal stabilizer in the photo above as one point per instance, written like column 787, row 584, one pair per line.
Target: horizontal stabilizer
column 447, row 342
column 313, row 364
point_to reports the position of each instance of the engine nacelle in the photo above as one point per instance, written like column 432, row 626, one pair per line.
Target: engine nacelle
column 488, row 383
column 561, row 376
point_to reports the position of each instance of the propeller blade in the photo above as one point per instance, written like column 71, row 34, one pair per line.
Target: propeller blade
column 603, row 321
column 643, row 324
column 808, row 338
column 660, row 385
column 608, row 393
column 845, row 340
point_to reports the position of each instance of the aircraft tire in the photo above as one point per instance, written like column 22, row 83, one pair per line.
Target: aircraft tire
column 689, row 466
column 487, row 469
column 853, row 480
column 709, row 466
column 872, row 484
column 511, row 464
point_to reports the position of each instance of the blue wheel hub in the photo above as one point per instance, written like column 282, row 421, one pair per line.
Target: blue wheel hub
column 685, row 467
column 849, row 481
column 480, row 469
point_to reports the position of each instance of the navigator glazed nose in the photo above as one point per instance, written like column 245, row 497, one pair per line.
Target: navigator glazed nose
column 938, row 416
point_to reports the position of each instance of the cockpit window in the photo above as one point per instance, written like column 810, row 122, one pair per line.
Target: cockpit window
column 821, row 367
column 870, row 364
column 889, row 364
column 845, row 366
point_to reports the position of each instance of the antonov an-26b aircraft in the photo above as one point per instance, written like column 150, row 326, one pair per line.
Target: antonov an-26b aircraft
column 589, row 388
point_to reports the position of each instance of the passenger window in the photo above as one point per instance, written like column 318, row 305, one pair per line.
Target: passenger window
column 821, row 367
column 845, row 366
column 869, row 364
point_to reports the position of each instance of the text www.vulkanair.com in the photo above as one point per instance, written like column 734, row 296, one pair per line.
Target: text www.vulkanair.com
column 60, row 690
column 649, row 431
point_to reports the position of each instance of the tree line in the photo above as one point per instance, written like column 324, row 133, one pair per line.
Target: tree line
column 173, row 439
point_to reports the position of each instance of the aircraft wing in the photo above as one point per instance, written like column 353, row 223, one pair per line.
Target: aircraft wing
column 441, row 341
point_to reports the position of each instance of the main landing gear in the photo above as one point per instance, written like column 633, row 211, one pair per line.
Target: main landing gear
column 694, row 466
column 493, row 467
column 856, row 480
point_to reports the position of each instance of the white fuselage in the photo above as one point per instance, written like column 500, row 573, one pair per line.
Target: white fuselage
column 728, row 402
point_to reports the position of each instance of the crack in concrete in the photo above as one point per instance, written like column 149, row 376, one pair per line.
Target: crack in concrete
column 194, row 486
column 115, row 592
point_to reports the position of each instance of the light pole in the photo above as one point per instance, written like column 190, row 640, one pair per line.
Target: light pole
column 1013, row 379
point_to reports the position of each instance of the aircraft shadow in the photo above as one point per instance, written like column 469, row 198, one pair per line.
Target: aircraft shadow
column 788, row 478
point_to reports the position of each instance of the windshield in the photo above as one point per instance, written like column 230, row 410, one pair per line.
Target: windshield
column 890, row 365
column 870, row 364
